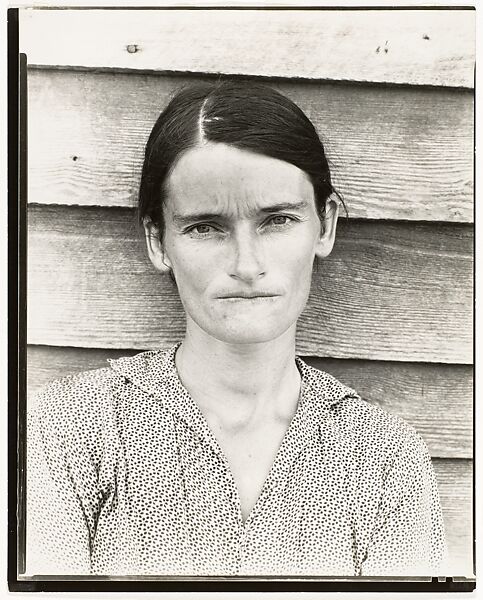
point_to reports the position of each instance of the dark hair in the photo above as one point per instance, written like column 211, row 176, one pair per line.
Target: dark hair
column 245, row 115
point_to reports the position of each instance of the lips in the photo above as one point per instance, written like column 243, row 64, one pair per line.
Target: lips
column 247, row 295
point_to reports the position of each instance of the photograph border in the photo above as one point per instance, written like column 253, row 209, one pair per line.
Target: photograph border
column 17, row 326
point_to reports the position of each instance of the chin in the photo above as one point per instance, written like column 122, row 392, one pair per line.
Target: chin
column 251, row 334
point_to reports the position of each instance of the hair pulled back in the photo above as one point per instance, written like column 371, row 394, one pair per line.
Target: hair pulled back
column 246, row 115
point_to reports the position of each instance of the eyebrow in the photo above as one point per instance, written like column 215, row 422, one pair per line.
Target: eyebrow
column 183, row 219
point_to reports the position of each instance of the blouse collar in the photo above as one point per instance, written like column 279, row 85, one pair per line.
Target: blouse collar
column 155, row 373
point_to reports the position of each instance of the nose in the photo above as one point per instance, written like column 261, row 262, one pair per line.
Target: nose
column 247, row 261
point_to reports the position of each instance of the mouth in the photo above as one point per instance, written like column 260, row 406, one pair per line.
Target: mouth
column 248, row 296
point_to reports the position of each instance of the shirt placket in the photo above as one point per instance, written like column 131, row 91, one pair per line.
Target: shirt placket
column 298, row 435
column 209, row 484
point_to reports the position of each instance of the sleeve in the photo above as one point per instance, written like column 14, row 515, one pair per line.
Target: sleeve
column 57, row 526
column 408, row 537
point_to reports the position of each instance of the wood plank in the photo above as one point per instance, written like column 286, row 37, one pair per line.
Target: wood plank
column 419, row 393
column 395, row 153
column 455, row 484
column 389, row 291
column 394, row 291
column 420, row 47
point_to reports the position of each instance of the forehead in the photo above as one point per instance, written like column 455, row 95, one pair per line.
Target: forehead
column 222, row 178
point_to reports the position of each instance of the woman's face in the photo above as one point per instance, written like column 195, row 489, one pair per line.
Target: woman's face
column 241, row 235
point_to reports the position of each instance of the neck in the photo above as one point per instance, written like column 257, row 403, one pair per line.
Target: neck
column 240, row 383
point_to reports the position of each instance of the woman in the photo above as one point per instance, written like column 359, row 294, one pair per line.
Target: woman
column 227, row 454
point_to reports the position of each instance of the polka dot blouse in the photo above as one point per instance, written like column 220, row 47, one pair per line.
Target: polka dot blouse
column 126, row 478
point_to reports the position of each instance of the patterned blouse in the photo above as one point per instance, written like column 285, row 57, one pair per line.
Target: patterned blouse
column 126, row 478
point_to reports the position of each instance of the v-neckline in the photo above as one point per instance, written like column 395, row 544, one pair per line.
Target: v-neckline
column 302, row 426
column 300, row 438
column 152, row 371
column 270, row 480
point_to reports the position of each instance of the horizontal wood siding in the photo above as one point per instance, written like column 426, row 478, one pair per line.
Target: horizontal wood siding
column 419, row 393
column 455, row 484
column 389, row 291
column 394, row 153
column 422, row 47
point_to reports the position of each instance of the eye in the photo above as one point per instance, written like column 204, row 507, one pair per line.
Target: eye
column 202, row 228
column 279, row 221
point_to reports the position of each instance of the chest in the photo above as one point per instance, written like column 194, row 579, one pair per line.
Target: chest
column 180, row 516
column 251, row 456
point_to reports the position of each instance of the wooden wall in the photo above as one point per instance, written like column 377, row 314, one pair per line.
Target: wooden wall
column 391, row 309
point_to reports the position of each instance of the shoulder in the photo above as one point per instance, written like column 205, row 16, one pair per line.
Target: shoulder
column 365, row 424
column 77, row 402
column 376, row 429
column 91, row 398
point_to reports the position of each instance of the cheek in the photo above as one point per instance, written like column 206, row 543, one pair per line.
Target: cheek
column 192, row 269
column 298, row 256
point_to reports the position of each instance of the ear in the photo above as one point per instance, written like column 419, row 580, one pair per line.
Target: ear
column 156, row 252
column 327, row 236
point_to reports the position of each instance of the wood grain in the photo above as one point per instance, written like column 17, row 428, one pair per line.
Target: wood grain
column 395, row 153
column 455, row 484
column 419, row 393
column 389, row 291
column 420, row 47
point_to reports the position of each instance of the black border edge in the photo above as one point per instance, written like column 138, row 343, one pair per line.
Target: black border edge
column 285, row 7
column 17, row 299
column 254, row 585
column 21, row 398
column 13, row 285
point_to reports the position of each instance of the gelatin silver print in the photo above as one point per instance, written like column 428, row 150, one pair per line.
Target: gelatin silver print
column 250, row 293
